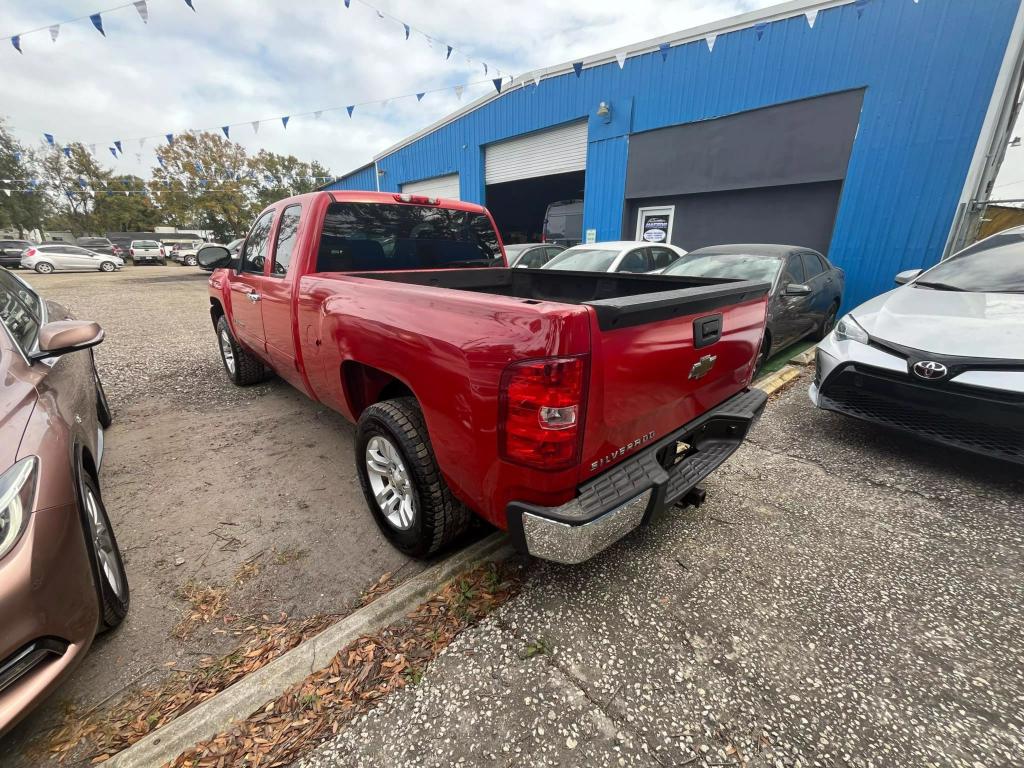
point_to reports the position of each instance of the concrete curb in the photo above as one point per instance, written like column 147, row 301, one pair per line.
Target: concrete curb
column 773, row 382
column 246, row 696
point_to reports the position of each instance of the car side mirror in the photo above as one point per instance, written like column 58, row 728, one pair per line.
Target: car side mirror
column 797, row 289
column 63, row 336
column 907, row 275
column 214, row 257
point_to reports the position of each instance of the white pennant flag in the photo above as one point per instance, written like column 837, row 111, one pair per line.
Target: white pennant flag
column 138, row 157
column 620, row 57
column 536, row 78
column 316, row 115
column 255, row 126
column 92, row 149
column 458, row 91
column 142, row 143
column 140, row 6
column 710, row 40
column 811, row 17
column 7, row 192
column 54, row 31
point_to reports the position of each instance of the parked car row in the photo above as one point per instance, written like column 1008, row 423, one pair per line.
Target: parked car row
column 90, row 253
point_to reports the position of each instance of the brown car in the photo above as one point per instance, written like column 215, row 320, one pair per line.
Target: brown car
column 61, row 575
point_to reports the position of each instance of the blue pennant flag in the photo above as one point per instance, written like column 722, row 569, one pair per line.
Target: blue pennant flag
column 202, row 182
column 419, row 96
column 49, row 138
column 118, row 145
column 17, row 159
column 81, row 182
column 663, row 47
column 16, row 42
column 485, row 67
column 189, row 4
column 284, row 121
column 268, row 178
column 67, row 151
column 860, row 5
column 760, row 28
column 97, row 21
column 577, row 67
column 113, row 151
column 227, row 131
column 497, row 84
column 198, row 166
column 347, row 3
column 350, row 108
column 449, row 54
column 170, row 138
column 406, row 31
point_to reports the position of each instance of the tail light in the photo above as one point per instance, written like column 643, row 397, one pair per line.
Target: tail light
column 541, row 411
column 131, row 251
column 30, row 252
column 162, row 252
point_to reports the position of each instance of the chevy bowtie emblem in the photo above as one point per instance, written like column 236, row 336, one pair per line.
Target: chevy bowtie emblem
column 701, row 367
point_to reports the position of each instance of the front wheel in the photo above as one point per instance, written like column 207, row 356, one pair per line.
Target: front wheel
column 242, row 368
column 107, row 266
column 403, row 486
column 43, row 268
column 111, row 581
column 191, row 261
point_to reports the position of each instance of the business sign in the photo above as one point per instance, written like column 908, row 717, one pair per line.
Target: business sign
column 654, row 225
column 591, row 236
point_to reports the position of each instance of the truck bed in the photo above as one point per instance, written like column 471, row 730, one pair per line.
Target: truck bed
column 619, row 300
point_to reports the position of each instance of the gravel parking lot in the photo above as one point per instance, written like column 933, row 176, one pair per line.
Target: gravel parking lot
column 248, row 492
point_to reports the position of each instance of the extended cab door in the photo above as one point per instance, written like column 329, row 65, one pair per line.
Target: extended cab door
column 277, row 290
column 247, row 286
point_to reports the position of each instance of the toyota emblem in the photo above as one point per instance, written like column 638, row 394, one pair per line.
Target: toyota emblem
column 929, row 369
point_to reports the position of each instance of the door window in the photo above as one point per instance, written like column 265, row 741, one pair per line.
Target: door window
column 287, row 234
column 636, row 261
column 794, row 271
column 20, row 311
column 661, row 257
column 812, row 265
column 254, row 254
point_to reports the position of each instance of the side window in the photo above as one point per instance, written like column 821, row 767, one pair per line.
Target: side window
column 254, row 255
column 794, row 271
column 812, row 265
column 20, row 311
column 636, row 261
column 287, row 233
column 551, row 253
column 661, row 257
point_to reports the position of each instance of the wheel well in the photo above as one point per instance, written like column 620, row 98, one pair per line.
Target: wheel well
column 89, row 465
column 365, row 385
column 216, row 311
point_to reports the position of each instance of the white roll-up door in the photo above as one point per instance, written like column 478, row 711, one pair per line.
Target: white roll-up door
column 556, row 150
column 438, row 186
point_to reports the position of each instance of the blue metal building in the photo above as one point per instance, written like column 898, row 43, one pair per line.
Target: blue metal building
column 868, row 127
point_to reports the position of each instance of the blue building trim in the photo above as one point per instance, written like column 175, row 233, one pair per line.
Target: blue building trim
column 928, row 68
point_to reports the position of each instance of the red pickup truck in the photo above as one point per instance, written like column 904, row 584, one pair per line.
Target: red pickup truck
column 565, row 407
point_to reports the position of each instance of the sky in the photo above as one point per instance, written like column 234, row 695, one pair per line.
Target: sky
column 235, row 61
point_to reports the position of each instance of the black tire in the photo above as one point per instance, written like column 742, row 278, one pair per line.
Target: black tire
column 43, row 268
column 828, row 323
column 103, row 413
column 104, row 554
column 191, row 261
column 243, row 369
column 107, row 266
column 763, row 354
column 438, row 518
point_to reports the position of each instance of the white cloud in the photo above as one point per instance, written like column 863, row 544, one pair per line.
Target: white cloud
column 238, row 60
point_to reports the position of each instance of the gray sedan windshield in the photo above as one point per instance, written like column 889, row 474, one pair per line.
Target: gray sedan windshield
column 999, row 270
column 732, row 265
column 583, row 260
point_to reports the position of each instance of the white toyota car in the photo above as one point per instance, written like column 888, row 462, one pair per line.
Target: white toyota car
column 941, row 356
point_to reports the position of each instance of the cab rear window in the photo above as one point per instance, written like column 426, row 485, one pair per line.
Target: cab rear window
column 364, row 237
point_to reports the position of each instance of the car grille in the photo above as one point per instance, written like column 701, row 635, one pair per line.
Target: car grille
column 941, row 413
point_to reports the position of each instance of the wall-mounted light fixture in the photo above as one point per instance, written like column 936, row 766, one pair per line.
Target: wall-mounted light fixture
column 604, row 111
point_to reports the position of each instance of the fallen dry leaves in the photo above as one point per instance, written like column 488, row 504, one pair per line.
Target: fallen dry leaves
column 378, row 589
column 358, row 676
column 206, row 602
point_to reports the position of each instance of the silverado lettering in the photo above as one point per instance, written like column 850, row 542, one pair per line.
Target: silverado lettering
column 477, row 388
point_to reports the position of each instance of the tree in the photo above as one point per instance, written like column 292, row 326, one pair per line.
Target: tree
column 282, row 176
column 23, row 206
column 203, row 181
column 125, row 205
column 72, row 176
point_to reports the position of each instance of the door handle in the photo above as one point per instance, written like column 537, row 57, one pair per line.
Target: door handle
column 253, row 297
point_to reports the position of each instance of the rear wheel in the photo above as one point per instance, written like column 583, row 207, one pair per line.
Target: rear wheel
column 763, row 354
column 43, row 268
column 107, row 266
column 111, row 581
column 242, row 368
column 409, row 499
column 191, row 261
column 827, row 324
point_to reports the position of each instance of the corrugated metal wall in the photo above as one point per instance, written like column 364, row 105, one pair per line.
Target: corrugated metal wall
column 364, row 179
column 928, row 67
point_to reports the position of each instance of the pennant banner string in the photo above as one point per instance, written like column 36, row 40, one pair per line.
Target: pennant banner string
column 88, row 16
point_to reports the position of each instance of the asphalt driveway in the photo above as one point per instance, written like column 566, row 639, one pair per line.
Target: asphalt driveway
column 846, row 597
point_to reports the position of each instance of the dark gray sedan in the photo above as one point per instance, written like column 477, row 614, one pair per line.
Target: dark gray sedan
column 806, row 289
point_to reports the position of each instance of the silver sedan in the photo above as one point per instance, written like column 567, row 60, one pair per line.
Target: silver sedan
column 62, row 256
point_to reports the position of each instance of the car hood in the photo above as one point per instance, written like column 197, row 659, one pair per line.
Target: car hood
column 947, row 322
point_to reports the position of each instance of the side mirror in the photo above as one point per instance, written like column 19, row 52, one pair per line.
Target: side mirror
column 214, row 257
column 907, row 275
column 63, row 336
column 797, row 289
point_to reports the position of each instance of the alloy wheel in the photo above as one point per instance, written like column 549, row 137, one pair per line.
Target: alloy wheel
column 103, row 544
column 391, row 482
column 227, row 352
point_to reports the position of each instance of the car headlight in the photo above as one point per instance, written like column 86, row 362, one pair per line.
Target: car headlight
column 17, row 489
column 847, row 329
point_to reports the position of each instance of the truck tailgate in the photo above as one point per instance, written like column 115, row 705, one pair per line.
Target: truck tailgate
column 660, row 360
